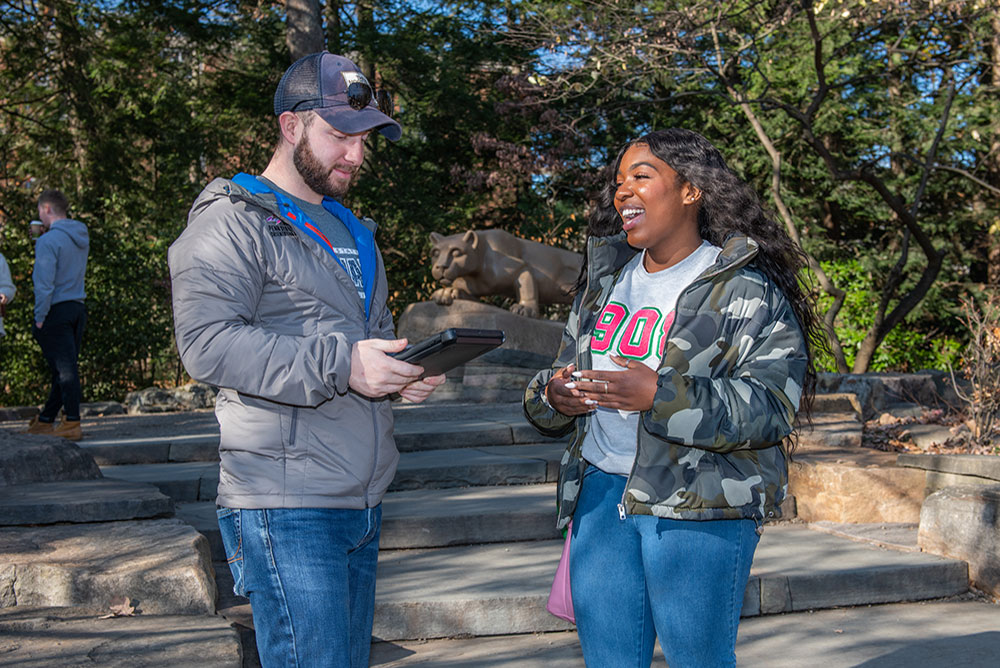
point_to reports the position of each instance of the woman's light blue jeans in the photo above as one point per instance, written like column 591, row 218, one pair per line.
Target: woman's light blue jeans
column 310, row 576
column 642, row 577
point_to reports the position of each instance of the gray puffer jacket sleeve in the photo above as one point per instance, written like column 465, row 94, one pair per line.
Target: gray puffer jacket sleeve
column 219, row 275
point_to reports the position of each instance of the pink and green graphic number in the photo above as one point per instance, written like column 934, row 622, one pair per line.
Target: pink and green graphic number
column 634, row 336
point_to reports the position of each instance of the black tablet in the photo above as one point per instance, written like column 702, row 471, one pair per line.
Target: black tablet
column 448, row 349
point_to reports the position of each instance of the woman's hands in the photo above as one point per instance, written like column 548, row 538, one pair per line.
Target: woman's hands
column 574, row 392
column 563, row 396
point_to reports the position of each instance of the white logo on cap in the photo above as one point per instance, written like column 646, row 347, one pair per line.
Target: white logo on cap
column 354, row 77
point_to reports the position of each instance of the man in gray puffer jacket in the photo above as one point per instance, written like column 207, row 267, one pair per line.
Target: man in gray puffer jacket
column 279, row 297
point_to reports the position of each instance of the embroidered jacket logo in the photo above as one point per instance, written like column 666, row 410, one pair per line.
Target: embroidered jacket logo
column 279, row 228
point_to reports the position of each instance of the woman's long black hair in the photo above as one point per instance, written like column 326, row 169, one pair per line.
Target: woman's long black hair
column 728, row 207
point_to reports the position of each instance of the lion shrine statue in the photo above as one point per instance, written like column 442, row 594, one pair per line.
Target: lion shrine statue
column 494, row 262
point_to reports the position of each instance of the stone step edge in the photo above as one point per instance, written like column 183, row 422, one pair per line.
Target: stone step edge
column 765, row 595
column 76, row 636
column 412, row 620
column 207, row 450
column 81, row 502
column 187, row 482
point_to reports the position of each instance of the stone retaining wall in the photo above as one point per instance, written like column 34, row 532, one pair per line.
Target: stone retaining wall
column 964, row 523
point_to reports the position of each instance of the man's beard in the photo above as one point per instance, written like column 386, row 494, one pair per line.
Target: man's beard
column 316, row 176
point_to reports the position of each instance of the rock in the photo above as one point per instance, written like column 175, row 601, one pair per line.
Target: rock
column 90, row 409
column 877, row 392
column 963, row 522
column 925, row 435
column 886, row 419
column 531, row 343
column 151, row 400
column 164, row 565
column 188, row 397
column 196, row 395
column 837, row 492
column 75, row 637
column 960, row 431
column 906, row 410
column 99, row 408
column 831, row 430
column 18, row 413
column 101, row 500
column 953, row 470
column 836, row 402
column 27, row 458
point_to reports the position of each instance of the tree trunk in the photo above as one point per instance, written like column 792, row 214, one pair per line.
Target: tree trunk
column 363, row 56
column 304, row 28
column 333, row 42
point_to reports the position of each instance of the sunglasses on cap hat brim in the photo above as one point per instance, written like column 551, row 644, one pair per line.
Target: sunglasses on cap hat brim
column 359, row 96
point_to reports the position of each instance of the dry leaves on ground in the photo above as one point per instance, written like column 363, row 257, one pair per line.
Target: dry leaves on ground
column 121, row 606
column 888, row 433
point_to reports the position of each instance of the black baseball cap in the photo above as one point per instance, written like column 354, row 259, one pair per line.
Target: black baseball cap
column 334, row 88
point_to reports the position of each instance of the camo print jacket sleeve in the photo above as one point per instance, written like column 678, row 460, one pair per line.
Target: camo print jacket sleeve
column 733, row 366
column 546, row 419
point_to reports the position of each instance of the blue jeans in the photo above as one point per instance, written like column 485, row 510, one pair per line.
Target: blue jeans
column 310, row 576
column 642, row 577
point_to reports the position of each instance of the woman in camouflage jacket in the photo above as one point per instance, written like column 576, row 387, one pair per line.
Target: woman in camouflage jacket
column 678, row 420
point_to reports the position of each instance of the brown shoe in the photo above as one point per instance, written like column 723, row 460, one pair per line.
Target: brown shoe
column 39, row 427
column 70, row 430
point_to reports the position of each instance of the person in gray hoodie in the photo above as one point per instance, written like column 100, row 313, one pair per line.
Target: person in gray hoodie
column 7, row 290
column 60, row 313
column 279, row 299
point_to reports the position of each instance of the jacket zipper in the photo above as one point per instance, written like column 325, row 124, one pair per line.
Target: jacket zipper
column 371, row 407
column 371, row 404
column 374, row 414
column 700, row 279
column 621, row 505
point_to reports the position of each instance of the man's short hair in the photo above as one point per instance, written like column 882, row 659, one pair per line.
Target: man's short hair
column 55, row 199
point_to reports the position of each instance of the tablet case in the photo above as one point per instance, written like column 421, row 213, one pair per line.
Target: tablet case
column 452, row 347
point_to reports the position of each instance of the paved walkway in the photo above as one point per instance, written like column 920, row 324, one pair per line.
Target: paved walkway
column 914, row 635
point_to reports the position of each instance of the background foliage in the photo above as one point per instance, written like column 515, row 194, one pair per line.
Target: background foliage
column 879, row 118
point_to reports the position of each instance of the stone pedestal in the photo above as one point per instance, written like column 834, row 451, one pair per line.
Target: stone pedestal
column 500, row 375
column 531, row 342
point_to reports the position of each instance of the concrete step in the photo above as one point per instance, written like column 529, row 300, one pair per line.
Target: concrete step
column 192, row 437
column 436, row 517
column 428, row 469
column 200, row 447
column 75, row 637
column 181, row 481
column 940, row 634
column 474, row 466
column 99, row 500
column 470, row 515
column 831, row 430
column 162, row 564
column 418, row 428
column 501, row 588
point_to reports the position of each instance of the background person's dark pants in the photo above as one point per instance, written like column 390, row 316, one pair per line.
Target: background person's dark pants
column 60, row 338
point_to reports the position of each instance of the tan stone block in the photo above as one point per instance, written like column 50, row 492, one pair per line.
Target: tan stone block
column 164, row 565
column 844, row 493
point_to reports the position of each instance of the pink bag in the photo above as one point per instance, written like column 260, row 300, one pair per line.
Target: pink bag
column 560, row 598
